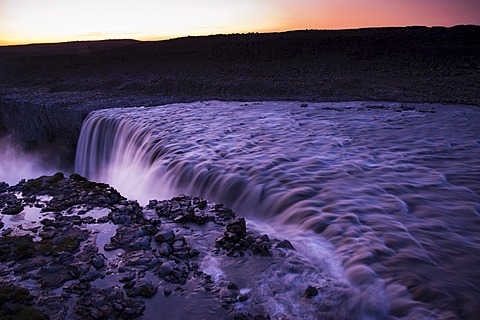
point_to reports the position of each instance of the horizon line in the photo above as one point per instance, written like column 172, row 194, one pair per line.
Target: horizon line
column 152, row 39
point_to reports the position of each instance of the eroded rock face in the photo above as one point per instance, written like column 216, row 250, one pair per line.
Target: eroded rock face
column 79, row 250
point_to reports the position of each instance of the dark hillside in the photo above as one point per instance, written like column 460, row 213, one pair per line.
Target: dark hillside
column 412, row 64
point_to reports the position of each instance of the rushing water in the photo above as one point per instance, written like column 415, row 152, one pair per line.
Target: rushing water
column 385, row 196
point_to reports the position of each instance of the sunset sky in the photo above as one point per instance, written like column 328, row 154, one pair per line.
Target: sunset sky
column 33, row 21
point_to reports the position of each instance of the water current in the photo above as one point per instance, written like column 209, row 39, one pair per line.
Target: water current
column 383, row 196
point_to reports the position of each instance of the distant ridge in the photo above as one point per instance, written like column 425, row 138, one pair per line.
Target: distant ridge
column 46, row 90
column 106, row 42
column 433, row 64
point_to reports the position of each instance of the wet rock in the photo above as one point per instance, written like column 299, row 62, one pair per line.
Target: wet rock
column 107, row 304
column 237, row 228
column 202, row 204
column 178, row 244
column 143, row 287
column 141, row 243
column 152, row 204
column 66, row 249
column 235, row 231
column 182, row 254
column 248, row 316
column 98, row 262
column 167, row 291
column 222, row 213
column 3, row 186
column 261, row 245
column 242, row 298
column 285, row 244
column 89, row 274
column 16, row 303
column 165, row 236
column 129, row 277
column 47, row 234
column 201, row 217
column 194, row 253
column 164, row 249
column 77, row 177
column 165, row 269
column 310, row 292
column 163, row 208
column 54, row 275
column 139, row 260
column 12, row 209
column 228, row 295
column 16, row 248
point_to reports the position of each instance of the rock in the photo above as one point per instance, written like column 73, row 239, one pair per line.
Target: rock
column 232, row 286
column 152, row 204
column 12, row 209
column 167, row 291
column 229, row 294
column 178, row 245
column 3, row 186
column 310, row 292
column 154, row 262
column 182, row 254
column 242, row 298
column 99, row 262
column 90, row 275
column 164, row 249
column 165, row 269
column 143, row 287
column 147, row 288
column 238, row 227
column 129, row 277
column 202, row 204
column 165, row 236
column 194, row 253
column 141, row 243
column 261, row 245
column 67, row 249
column 285, row 244
column 77, row 177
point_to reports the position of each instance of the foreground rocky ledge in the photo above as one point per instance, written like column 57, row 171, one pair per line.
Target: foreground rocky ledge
column 75, row 249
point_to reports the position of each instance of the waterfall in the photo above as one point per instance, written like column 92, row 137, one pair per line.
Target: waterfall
column 123, row 154
column 372, row 194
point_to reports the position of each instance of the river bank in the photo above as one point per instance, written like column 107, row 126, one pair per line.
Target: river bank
column 75, row 249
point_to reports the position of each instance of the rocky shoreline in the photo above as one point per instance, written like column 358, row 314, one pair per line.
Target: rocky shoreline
column 75, row 249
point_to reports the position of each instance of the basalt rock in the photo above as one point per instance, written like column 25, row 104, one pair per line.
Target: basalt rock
column 3, row 186
column 92, row 254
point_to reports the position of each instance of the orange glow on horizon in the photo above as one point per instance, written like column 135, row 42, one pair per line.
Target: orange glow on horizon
column 26, row 21
column 348, row 14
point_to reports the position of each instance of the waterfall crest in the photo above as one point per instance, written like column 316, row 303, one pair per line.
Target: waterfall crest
column 380, row 195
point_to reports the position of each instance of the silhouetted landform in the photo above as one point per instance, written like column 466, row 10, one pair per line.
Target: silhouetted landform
column 46, row 90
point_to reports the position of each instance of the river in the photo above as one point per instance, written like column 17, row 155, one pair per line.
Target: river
column 384, row 196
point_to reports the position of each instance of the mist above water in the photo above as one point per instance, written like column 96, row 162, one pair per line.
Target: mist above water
column 17, row 164
column 385, row 197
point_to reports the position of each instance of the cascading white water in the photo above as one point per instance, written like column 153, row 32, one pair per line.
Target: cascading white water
column 390, row 193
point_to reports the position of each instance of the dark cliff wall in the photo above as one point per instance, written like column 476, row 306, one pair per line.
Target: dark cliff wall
column 53, row 128
column 46, row 90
